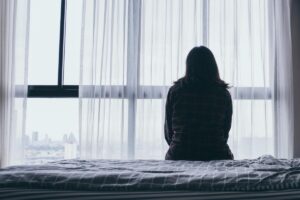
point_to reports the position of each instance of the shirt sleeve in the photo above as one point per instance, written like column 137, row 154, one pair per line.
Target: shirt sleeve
column 168, row 119
column 228, row 116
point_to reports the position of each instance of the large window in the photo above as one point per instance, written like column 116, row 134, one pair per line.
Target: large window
column 52, row 105
column 54, row 71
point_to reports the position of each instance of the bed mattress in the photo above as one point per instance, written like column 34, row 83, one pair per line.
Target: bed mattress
column 250, row 175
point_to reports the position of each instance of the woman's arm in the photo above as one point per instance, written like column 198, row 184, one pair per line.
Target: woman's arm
column 168, row 119
column 228, row 117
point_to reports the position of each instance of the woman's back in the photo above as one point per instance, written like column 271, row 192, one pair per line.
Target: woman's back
column 198, row 111
column 200, row 121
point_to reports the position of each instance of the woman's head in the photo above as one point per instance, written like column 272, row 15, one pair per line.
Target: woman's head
column 201, row 66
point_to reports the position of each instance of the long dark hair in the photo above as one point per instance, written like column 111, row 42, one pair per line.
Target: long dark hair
column 202, row 68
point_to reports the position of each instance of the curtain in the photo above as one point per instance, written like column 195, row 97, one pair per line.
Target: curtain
column 282, row 77
column 14, row 17
column 239, row 37
column 295, row 32
column 133, row 51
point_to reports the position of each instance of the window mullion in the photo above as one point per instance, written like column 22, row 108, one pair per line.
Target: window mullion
column 134, row 18
column 205, row 30
column 61, row 55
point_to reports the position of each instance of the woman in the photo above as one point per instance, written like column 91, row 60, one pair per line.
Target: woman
column 198, row 111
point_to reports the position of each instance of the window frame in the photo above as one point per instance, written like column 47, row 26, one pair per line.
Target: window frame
column 132, row 91
column 72, row 91
column 60, row 90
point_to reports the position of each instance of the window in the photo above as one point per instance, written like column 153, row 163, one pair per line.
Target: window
column 52, row 132
column 44, row 46
column 54, row 71
column 52, row 116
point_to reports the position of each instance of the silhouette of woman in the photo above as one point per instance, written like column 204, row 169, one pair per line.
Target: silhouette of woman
column 199, row 111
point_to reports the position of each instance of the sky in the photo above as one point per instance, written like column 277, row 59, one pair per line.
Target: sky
column 54, row 117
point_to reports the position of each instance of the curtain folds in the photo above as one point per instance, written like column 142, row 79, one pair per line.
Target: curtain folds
column 282, row 77
column 14, row 19
column 103, row 78
column 133, row 51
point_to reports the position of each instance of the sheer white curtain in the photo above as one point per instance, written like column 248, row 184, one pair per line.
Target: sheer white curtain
column 132, row 51
column 13, row 64
column 282, row 77
column 239, row 37
column 103, row 78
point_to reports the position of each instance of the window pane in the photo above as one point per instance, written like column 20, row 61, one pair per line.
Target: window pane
column 252, row 132
column 239, row 39
column 114, row 128
column 105, row 34
column 44, row 41
column 51, row 130
column 169, row 29
column 149, row 140
column 73, row 38
column 237, row 35
column 104, row 132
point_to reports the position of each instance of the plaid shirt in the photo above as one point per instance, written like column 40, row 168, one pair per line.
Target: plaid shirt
column 198, row 120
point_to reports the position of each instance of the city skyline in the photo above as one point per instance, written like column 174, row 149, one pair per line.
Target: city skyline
column 41, row 149
column 54, row 117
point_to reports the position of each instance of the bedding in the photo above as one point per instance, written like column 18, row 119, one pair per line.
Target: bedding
column 261, row 174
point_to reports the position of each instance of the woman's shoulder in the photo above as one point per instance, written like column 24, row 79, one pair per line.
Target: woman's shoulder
column 177, row 85
column 175, row 88
column 224, row 94
column 184, row 86
column 223, row 90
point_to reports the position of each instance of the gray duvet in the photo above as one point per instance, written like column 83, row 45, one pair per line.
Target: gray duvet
column 263, row 173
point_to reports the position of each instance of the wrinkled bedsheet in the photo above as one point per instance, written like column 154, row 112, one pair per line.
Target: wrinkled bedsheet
column 263, row 173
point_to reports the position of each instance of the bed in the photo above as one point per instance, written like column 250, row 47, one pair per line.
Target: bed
column 261, row 178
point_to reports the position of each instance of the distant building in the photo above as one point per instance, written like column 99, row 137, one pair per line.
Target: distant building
column 35, row 136
column 70, row 146
column 65, row 138
column 26, row 140
column 72, row 138
column 42, row 148
column 47, row 139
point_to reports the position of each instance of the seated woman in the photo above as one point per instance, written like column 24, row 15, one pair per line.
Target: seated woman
column 198, row 111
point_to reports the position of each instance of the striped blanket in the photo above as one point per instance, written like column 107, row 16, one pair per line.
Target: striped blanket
column 263, row 173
